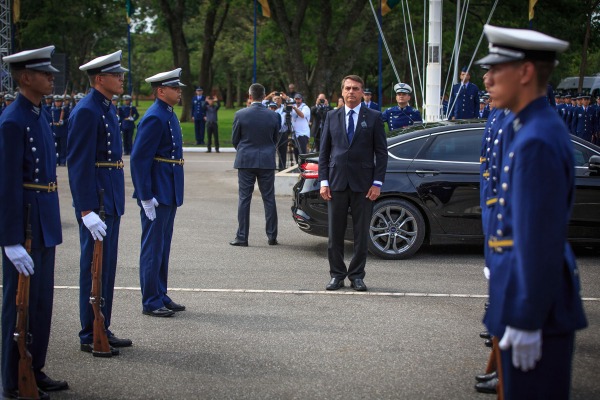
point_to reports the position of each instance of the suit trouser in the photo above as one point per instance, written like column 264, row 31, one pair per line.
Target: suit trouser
column 212, row 129
column 41, row 296
column 551, row 377
column 266, row 185
column 199, row 129
column 154, row 256
column 109, row 269
column 337, row 215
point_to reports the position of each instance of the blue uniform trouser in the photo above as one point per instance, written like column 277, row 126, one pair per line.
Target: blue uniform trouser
column 199, row 129
column 127, row 139
column 110, row 246
column 551, row 377
column 266, row 184
column 154, row 256
column 41, row 294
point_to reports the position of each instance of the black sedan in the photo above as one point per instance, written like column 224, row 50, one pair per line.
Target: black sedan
column 431, row 192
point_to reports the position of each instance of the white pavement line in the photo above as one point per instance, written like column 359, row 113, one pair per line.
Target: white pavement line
column 326, row 292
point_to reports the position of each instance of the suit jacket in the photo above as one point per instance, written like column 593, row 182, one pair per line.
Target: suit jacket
column 255, row 136
column 27, row 155
column 94, row 136
column 159, row 135
column 356, row 164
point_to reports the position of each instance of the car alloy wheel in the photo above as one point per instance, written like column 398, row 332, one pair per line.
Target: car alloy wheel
column 397, row 229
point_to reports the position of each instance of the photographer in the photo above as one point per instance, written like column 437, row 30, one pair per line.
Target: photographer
column 317, row 114
column 282, row 144
column 300, row 114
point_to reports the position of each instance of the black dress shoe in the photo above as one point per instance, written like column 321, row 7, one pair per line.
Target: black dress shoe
column 14, row 394
column 358, row 285
column 489, row 343
column 89, row 348
column 50, row 385
column 485, row 335
column 273, row 242
column 486, row 377
column 161, row 312
column 175, row 307
column 487, row 386
column 116, row 342
column 335, row 284
column 237, row 242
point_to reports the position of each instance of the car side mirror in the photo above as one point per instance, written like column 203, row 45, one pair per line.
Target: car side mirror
column 594, row 164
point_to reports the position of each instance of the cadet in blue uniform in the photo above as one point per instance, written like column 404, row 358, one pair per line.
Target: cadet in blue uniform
column 59, row 114
column 94, row 159
column 584, row 123
column 128, row 114
column 464, row 98
column 157, row 174
column 483, row 112
column 28, row 177
column 367, row 100
column 198, row 115
column 401, row 115
column 535, row 305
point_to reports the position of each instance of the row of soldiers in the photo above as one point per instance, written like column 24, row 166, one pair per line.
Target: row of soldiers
column 581, row 117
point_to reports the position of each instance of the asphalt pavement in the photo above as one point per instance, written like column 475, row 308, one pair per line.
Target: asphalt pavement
column 259, row 324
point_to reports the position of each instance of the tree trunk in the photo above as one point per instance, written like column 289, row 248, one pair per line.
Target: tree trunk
column 211, row 35
column 174, row 17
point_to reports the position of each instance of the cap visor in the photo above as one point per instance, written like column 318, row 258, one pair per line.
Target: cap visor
column 116, row 69
column 492, row 59
column 45, row 68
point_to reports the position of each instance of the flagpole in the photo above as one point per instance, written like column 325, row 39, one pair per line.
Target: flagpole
column 254, row 62
column 128, row 12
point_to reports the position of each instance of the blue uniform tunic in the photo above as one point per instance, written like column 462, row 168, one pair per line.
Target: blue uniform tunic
column 534, row 282
column 464, row 101
column 584, row 122
column 128, row 114
column 159, row 136
column 397, row 117
column 94, row 137
column 27, row 155
column 59, row 117
column 198, row 114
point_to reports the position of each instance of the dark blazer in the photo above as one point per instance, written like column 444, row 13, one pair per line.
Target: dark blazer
column 255, row 136
column 355, row 164
column 159, row 135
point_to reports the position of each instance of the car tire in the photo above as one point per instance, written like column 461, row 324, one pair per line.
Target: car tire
column 396, row 230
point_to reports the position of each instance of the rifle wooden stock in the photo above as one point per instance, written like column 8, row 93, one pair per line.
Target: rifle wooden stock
column 498, row 357
column 101, row 348
column 27, row 384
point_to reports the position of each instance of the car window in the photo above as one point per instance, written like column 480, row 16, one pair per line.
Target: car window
column 463, row 146
column 409, row 149
column 581, row 154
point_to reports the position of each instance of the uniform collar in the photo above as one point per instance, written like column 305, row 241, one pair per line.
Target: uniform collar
column 529, row 111
column 99, row 97
column 164, row 105
column 24, row 102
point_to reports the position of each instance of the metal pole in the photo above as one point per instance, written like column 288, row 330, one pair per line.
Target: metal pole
column 380, row 51
column 456, row 44
column 254, row 62
column 434, row 64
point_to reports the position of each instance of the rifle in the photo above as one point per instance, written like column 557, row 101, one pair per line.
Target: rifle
column 101, row 347
column 62, row 109
column 27, row 384
column 498, row 357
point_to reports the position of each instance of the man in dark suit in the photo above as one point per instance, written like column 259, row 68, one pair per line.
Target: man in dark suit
column 255, row 136
column 352, row 164
column 464, row 98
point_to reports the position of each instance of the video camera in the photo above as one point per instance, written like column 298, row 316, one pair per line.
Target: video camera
column 289, row 106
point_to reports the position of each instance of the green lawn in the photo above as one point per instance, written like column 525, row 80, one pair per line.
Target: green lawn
column 187, row 128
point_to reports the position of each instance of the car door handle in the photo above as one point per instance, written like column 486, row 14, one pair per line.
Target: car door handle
column 427, row 172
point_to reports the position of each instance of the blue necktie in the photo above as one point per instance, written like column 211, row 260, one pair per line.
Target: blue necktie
column 350, row 126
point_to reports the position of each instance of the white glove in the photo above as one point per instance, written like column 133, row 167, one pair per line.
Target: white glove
column 96, row 226
column 486, row 273
column 527, row 347
column 20, row 259
column 150, row 208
